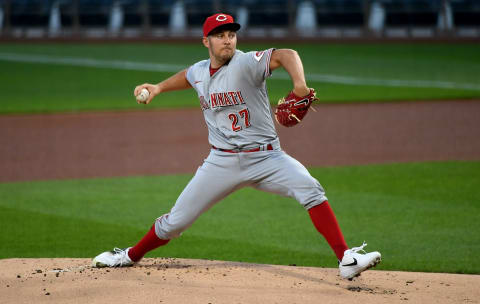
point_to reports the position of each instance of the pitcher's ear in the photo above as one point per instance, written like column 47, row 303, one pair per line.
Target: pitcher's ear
column 205, row 42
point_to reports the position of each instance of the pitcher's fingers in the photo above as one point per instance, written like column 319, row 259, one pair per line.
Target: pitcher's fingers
column 149, row 99
column 137, row 90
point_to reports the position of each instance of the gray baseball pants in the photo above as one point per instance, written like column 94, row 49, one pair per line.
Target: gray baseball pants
column 222, row 173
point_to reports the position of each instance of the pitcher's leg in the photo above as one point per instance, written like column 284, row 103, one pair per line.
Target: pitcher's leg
column 213, row 181
column 216, row 179
column 326, row 223
column 290, row 178
column 149, row 242
column 282, row 174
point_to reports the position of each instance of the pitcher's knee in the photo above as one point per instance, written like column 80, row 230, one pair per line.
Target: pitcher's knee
column 312, row 197
column 316, row 202
column 167, row 230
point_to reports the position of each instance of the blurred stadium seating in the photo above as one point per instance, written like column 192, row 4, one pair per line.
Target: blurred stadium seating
column 267, row 18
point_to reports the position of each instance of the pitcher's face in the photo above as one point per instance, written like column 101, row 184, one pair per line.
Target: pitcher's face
column 221, row 45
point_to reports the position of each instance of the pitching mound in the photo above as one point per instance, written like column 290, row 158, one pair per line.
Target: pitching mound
column 202, row 281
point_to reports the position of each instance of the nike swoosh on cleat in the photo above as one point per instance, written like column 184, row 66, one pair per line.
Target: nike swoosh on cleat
column 352, row 263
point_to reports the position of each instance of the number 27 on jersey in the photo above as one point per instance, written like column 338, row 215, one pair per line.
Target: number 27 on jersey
column 240, row 119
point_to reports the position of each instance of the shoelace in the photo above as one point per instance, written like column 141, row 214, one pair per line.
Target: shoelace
column 123, row 255
column 360, row 248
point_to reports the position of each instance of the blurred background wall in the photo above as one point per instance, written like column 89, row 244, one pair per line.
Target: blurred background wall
column 130, row 19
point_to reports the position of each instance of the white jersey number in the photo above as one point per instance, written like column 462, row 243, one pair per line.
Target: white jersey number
column 236, row 117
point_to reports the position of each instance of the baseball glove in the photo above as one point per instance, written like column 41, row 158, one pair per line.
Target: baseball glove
column 292, row 109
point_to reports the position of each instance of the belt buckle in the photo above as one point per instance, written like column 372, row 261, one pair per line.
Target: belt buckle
column 267, row 147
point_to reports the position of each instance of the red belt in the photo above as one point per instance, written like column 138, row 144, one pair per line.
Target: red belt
column 269, row 147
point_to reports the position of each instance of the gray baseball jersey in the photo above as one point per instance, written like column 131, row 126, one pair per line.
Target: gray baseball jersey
column 235, row 101
column 238, row 115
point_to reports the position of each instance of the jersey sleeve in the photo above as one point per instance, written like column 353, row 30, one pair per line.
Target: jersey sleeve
column 189, row 75
column 257, row 64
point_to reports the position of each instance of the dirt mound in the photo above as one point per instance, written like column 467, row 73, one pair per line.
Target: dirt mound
column 201, row 281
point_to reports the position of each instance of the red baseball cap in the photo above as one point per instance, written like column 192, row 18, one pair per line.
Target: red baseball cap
column 218, row 20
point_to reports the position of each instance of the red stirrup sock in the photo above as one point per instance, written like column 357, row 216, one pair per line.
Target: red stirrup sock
column 326, row 223
column 149, row 242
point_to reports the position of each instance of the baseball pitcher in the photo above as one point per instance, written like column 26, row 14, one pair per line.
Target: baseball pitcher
column 245, row 148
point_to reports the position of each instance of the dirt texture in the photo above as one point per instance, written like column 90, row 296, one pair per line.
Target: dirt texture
column 201, row 281
column 84, row 145
column 36, row 147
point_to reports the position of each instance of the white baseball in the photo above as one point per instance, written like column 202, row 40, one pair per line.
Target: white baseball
column 143, row 96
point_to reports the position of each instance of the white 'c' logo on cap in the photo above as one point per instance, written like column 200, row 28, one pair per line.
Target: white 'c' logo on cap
column 221, row 18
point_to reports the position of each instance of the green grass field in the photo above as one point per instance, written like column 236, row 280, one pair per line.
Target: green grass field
column 421, row 216
column 386, row 72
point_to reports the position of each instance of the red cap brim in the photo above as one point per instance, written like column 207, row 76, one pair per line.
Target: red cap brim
column 219, row 20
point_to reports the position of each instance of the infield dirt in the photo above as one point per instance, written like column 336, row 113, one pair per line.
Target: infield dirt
column 83, row 145
column 201, row 281
column 105, row 144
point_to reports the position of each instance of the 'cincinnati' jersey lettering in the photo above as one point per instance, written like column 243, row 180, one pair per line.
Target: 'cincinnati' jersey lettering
column 203, row 103
column 226, row 99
